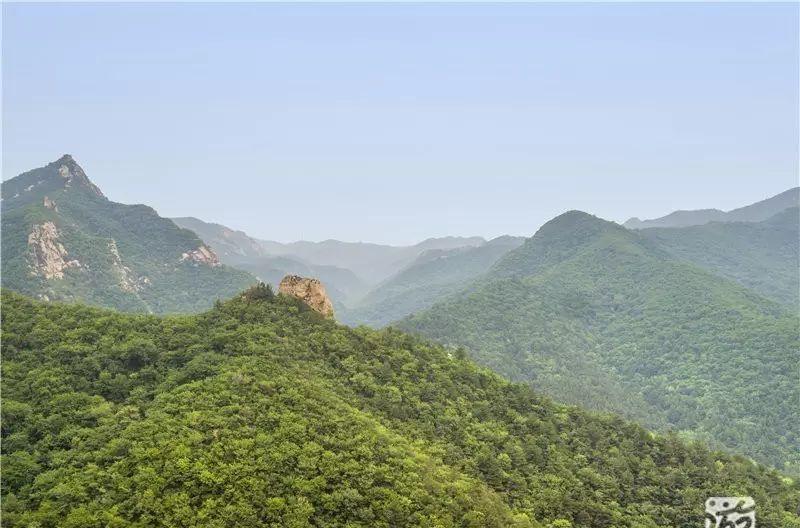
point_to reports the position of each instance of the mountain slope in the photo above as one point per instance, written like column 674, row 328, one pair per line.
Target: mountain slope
column 261, row 413
column 63, row 240
column 756, row 212
column 594, row 314
column 763, row 256
column 239, row 250
column 431, row 277
column 226, row 242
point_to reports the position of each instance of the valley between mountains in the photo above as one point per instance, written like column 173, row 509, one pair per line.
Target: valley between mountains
column 587, row 374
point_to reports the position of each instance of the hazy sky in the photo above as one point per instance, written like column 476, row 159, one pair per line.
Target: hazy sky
column 394, row 123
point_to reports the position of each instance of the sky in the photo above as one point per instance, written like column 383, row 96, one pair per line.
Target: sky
column 393, row 123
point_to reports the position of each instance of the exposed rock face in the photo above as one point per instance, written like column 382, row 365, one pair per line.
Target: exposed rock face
column 202, row 255
column 73, row 173
column 48, row 255
column 127, row 280
column 310, row 291
column 50, row 204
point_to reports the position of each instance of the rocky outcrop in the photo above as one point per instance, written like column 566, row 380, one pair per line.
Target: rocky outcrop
column 73, row 173
column 48, row 255
column 310, row 291
column 128, row 282
column 202, row 255
column 50, row 204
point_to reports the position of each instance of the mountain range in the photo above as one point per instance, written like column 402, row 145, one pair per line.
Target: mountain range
column 348, row 269
column 601, row 316
column 756, row 212
column 691, row 329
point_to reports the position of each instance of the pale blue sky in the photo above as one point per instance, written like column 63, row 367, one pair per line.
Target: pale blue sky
column 393, row 123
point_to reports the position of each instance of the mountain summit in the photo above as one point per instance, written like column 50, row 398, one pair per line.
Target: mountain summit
column 64, row 240
column 60, row 175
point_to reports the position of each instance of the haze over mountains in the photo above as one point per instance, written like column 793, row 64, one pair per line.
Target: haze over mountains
column 348, row 269
column 756, row 212
column 662, row 325
column 432, row 276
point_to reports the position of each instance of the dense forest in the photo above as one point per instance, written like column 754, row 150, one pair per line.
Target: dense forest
column 596, row 315
column 262, row 413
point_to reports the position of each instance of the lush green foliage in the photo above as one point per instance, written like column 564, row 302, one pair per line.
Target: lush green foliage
column 434, row 275
column 148, row 275
column 260, row 413
column 596, row 315
column 764, row 256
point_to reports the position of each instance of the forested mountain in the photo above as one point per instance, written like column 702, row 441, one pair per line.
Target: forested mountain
column 764, row 256
column 63, row 240
column 241, row 251
column 597, row 315
column 431, row 277
column 262, row 413
column 756, row 212
column 372, row 263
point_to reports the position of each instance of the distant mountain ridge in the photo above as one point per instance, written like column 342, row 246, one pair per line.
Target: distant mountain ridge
column 756, row 212
column 64, row 240
column 372, row 262
column 601, row 316
column 239, row 250
column 226, row 242
column 432, row 276
column 763, row 256
column 348, row 269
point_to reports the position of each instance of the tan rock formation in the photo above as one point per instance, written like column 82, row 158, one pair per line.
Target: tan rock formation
column 310, row 291
column 202, row 255
column 48, row 255
column 50, row 204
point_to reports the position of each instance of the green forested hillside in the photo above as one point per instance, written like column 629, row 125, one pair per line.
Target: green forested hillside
column 431, row 277
column 63, row 240
column 764, row 256
column 597, row 315
column 261, row 413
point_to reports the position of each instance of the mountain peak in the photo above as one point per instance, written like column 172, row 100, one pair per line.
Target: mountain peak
column 577, row 221
column 72, row 173
column 555, row 241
